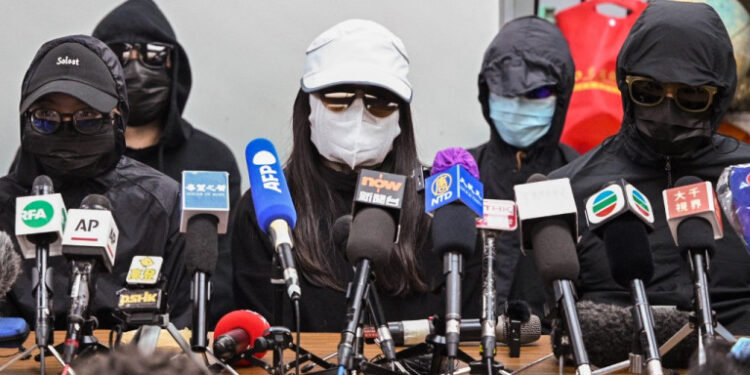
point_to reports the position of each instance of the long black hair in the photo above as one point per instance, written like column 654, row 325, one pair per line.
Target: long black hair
column 402, row 276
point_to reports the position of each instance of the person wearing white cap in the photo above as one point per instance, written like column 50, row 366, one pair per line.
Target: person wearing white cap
column 351, row 112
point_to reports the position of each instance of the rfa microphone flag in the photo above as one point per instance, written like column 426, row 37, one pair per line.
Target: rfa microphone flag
column 37, row 214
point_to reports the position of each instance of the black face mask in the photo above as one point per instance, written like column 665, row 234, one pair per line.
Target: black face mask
column 69, row 154
column 669, row 130
column 148, row 92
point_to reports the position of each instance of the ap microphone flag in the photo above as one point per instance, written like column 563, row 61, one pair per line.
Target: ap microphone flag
column 91, row 233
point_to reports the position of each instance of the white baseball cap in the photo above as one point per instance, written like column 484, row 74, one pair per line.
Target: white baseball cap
column 357, row 52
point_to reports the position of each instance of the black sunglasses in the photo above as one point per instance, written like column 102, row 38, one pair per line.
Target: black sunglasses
column 647, row 92
column 152, row 54
column 85, row 121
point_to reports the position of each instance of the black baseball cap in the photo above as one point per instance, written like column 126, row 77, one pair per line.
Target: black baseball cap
column 73, row 69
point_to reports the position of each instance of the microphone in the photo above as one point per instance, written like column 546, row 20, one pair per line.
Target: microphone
column 734, row 196
column 40, row 219
column 274, row 209
column 10, row 264
column 205, row 212
column 621, row 215
column 499, row 215
column 454, row 178
column 370, row 243
column 235, row 334
column 695, row 224
column 90, row 243
column 548, row 221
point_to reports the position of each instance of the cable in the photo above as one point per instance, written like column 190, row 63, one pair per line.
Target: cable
column 298, row 323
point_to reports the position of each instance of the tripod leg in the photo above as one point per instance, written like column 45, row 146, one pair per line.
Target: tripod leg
column 220, row 363
column 147, row 338
column 675, row 339
column 17, row 357
column 56, row 354
column 724, row 333
column 184, row 345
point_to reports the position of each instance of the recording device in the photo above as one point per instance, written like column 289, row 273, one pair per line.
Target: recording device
column 499, row 216
column 621, row 216
column 695, row 223
column 548, row 221
column 274, row 208
column 413, row 332
column 369, row 246
column 235, row 334
column 205, row 212
column 453, row 227
column 90, row 243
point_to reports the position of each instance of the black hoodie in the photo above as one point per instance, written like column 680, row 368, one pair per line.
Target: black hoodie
column 182, row 147
column 670, row 42
column 145, row 206
column 527, row 53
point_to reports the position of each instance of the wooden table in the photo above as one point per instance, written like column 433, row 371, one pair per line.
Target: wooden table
column 320, row 344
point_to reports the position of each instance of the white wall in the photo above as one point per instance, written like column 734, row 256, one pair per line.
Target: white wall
column 247, row 57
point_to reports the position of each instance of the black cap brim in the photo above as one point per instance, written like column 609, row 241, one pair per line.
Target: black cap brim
column 97, row 99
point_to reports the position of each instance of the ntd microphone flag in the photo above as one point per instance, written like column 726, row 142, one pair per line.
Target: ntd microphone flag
column 454, row 183
column 498, row 215
column 205, row 193
column 694, row 200
column 271, row 197
column 617, row 198
column 91, row 233
column 542, row 200
column 40, row 214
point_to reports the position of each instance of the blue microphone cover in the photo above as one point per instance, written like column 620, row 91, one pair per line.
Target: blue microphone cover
column 271, row 196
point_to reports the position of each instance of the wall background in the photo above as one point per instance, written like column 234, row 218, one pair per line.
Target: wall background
column 247, row 57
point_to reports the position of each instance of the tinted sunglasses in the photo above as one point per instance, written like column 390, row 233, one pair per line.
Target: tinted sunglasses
column 85, row 121
column 543, row 92
column 377, row 102
column 153, row 54
column 647, row 92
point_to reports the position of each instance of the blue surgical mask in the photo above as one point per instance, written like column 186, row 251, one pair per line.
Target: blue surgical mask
column 521, row 121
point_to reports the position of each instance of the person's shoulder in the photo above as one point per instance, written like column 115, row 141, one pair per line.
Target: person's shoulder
column 148, row 182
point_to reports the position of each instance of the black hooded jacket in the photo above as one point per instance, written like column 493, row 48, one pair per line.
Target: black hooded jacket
column 182, row 147
column 670, row 42
column 146, row 209
column 527, row 53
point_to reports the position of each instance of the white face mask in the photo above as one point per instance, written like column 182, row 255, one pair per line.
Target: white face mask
column 354, row 137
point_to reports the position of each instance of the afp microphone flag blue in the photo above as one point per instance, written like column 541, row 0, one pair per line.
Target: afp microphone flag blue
column 268, row 187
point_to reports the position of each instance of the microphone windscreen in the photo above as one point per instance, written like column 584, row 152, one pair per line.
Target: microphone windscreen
column 518, row 310
column 201, row 244
column 608, row 333
column 371, row 237
column 10, row 264
column 340, row 232
column 449, row 157
column 536, row 177
column 249, row 321
column 628, row 250
column 695, row 233
column 554, row 250
column 454, row 228
column 42, row 185
column 687, row 180
column 96, row 202
column 271, row 197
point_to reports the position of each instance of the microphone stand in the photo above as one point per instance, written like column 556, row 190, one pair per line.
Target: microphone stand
column 79, row 337
column 43, row 327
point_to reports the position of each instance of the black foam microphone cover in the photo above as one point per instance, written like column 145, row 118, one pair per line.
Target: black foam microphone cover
column 96, row 202
column 201, row 244
column 628, row 250
column 518, row 310
column 554, row 250
column 454, row 228
column 536, row 177
column 695, row 233
column 340, row 233
column 371, row 237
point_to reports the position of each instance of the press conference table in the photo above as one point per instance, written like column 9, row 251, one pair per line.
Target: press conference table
column 320, row 344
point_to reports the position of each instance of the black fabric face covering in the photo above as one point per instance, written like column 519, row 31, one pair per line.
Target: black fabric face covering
column 670, row 130
column 148, row 92
column 69, row 154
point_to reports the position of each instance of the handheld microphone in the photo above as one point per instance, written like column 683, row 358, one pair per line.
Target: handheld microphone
column 621, row 215
column 274, row 209
column 205, row 211
column 235, row 334
column 499, row 215
column 695, row 224
column 548, row 220
column 40, row 219
column 454, row 178
column 370, row 244
column 10, row 264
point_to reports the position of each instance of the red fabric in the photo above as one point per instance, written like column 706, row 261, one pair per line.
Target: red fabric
column 595, row 109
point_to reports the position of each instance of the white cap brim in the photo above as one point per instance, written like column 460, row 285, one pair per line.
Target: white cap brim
column 361, row 74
